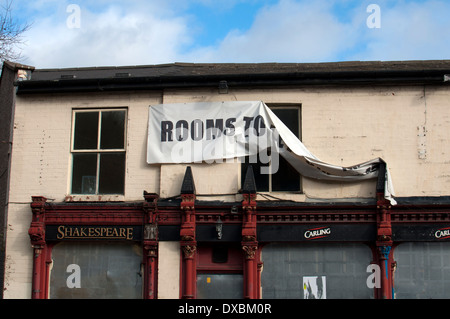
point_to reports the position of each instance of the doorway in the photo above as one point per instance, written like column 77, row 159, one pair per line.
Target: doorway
column 220, row 271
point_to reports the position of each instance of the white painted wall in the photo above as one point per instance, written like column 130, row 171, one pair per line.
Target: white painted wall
column 169, row 270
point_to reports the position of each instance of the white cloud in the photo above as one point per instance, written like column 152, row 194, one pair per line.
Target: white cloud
column 311, row 31
column 409, row 31
column 115, row 32
column 288, row 31
column 111, row 36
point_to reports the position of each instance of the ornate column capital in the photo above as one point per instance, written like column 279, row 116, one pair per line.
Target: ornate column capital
column 250, row 251
column 384, row 227
column 37, row 234
column 37, row 226
column 189, row 250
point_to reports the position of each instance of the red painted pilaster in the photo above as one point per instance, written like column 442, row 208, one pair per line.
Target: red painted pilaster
column 150, row 246
column 190, row 270
column 151, row 270
column 384, row 246
column 37, row 237
column 188, row 247
column 250, row 247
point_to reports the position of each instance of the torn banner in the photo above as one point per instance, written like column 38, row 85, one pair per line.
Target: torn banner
column 217, row 131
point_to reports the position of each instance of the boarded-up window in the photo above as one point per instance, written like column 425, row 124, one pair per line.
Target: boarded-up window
column 423, row 271
column 220, row 286
column 96, row 270
column 331, row 271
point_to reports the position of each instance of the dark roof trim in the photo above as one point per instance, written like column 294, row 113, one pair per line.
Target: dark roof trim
column 17, row 66
column 437, row 202
column 189, row 75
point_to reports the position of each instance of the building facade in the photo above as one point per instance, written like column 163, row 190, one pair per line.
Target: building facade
column 86, row 216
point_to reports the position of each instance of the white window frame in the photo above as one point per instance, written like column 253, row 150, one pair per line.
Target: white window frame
column 98, row 150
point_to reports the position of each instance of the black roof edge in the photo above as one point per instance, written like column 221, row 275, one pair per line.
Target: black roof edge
column 244, row 79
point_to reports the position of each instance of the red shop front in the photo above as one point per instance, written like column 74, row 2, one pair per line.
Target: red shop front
column 248, row 249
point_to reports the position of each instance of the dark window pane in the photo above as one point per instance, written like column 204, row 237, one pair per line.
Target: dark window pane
column 289, row 117
column 112, row 173
column 86, row 131
column 286, row 179
column 84, row 172
column 220, row 254
column 113, row 128
column 261, row 180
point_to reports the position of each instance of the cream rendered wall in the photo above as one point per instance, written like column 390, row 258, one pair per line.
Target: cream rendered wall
column 406, row 126
column 41, row 166
column 169, row 270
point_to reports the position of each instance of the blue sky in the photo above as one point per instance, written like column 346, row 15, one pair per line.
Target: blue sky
column 140, row 32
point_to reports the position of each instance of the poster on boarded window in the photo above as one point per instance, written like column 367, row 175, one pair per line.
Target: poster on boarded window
column 314, row 287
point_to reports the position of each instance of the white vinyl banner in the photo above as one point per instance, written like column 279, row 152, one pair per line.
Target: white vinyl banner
column 217, row 132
